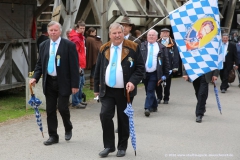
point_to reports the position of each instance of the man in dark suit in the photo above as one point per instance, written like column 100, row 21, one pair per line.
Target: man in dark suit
column 173, row 56
column 58, row 65
column 44, row 35
column 201, row 91
column 155, row 57
column 230, row 58
column 128, row 26
column 119, row 68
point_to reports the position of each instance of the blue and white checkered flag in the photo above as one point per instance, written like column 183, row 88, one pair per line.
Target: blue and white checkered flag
column 196, row 29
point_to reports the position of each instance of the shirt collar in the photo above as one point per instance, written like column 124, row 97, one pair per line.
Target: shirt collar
column 57, row 41
column 119, row 46
column 127, row 36
column 152, row 43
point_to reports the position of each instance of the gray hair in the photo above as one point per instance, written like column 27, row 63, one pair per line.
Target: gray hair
column 225, row 35
column 115, row 26
column 53, row 23
column 156, row 33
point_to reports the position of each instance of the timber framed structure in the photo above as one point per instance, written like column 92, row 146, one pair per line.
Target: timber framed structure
column 21, row 19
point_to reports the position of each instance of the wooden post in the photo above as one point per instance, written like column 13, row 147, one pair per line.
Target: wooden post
column 104, row 19
column 8, row 57
column 230, row 14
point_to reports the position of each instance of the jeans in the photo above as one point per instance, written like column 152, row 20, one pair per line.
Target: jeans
column 77, row 98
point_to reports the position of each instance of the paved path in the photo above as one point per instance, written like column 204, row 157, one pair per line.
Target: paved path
column 171, row 133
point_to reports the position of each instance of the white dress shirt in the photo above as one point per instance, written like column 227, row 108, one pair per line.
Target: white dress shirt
column 119, row 71
column 225, row 51
column 126, row 37
column 54, row 73
column 155, row 53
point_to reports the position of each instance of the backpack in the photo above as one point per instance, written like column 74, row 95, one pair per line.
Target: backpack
column 231, row 76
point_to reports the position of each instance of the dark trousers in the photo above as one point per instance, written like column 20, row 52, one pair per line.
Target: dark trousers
column 160, row 88
column 201, row 91
column 150, row 84
column 114, row 96
column 224, row 75
column 54, row 99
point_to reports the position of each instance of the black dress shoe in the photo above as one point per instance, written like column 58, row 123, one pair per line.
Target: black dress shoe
column 153, row 109
column 165, row 102
column 68, row 135
column 147, row 113
column 121, row 153
column 83, row 103
column 106, row 151
column 51, row 140
column 199, row 119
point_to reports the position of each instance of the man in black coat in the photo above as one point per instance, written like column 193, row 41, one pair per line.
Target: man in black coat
column 157, row 66
column 58, row 65
column 230, row 58
column 119, row 69
column 173, row 56
column 201, row 85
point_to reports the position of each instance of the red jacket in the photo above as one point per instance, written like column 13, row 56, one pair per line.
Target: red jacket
column 79, row 39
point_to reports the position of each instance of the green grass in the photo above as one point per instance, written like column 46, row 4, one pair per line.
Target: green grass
column 89, row 93
column 12, row 104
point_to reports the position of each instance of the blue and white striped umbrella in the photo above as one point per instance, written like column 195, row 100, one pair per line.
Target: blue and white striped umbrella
column 35, row 103
column 217, row 98
column 129, row 112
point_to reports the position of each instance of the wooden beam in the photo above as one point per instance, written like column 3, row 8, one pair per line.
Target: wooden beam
column 139, row 7
column 104, row 18
column 4, row 69
column 163, row 7
column 45, row 4
column 174, row 4
column 29, row 56
column 8, row 57
column 86, row 12
column 17, row 73
column 224, row 7
column 137, row 14
column 156, row 7
column 25, row 53
column 12, row 23
column 230, row 13
column 150, row 20
column 110, row 3
column 4, row 49
column 111, row 21
column 120, row 7
column 95, row 10
column 10, row 86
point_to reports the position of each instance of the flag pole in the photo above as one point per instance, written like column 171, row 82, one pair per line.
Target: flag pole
column 151, row 27
column 160, row 21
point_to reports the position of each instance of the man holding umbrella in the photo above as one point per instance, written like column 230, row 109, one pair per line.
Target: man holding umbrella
column 58, row 64
column 119, row 68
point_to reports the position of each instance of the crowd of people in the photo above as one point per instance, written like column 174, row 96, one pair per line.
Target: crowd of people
column 117, row 67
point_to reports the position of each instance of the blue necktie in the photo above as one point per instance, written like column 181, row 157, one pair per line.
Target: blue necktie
column 150, row 56
column 51, row 59
column 113, row 68
column 163, row 41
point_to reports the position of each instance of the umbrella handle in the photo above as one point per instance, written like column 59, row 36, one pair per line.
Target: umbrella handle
column 128, row 97
column 31, row 90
